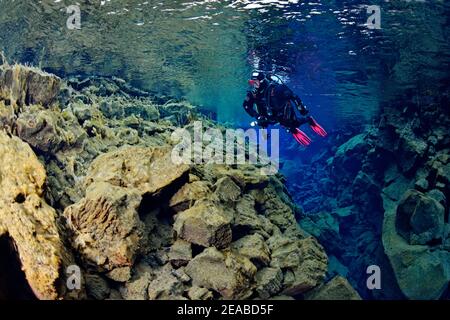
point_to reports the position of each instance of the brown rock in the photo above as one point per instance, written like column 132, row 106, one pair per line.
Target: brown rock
column 180, row 253
column 106, row 227
column 188, row 194
column 148, row 170
column 226, row 190
column 199, row 293
column 30, row 222
column 224, row 272
column 165, row 286
column 120, row 274
column 204, row 224
column 254, row 248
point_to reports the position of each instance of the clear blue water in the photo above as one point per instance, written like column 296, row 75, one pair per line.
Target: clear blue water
column 204, row 50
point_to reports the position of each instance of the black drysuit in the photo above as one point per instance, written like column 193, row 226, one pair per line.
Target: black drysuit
column 275, row 103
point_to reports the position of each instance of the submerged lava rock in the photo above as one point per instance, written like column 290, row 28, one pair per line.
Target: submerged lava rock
column 21, row 85
column 420, row 219
column 30, row 222
column 305, row 261
column 147, row 170
column 224, row 272
column 106, row 226
column 204, row 224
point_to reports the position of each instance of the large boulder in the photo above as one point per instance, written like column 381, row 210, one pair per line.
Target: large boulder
column 30, row 222
column 228, row 274
column 21, row 85
column 204, row 224
column 304, row 263
column 148, row 170
column 420, row 219
column 254, row 248
column 106, row 227
column 421, row 273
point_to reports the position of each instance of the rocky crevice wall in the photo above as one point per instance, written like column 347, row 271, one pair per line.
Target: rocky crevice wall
column 390, row 207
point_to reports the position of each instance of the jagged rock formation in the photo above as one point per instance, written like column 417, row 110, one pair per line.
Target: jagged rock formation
column 139, row 225
column 390, row 207
column 29, row 221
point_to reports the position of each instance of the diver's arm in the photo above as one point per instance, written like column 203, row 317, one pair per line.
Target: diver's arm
column 300, row 106
column 249, row 104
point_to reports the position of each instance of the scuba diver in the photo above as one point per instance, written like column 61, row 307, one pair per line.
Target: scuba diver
column 275, row 104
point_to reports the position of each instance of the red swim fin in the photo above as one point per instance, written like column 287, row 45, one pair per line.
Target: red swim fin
column 301, row 137
column 317, row 128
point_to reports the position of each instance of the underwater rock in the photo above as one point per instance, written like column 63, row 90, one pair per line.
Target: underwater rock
column 228, row 274
column 106, row 227
column 137, row 288
column 420, row 219
column 246, row 218
column 165, row 286
column 226, row 190
column 304, row 260
column 337, row 288
column 408, row 261
column 269, row 282
column 22, row 86
column 421, row 184
column 121, row 274
column 112, row 109
column 48, row 130
column 411, row 149
column 188, row 194
column 275, row 209
column 144, row 227
column 349, row 156
column 199, row 293
column 204, row 224
column 180, row 253
column 254, row 248
column 30, row 222
column 437, row 195
column 148, row 170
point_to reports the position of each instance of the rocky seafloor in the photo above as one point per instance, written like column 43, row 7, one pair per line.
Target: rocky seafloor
column 86, row 179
